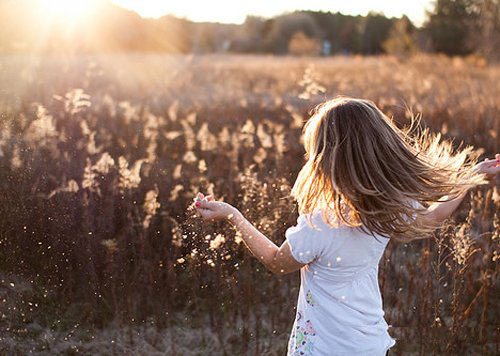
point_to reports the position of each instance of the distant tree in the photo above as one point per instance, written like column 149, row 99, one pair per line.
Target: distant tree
column 343, row 31
column 400, row 40
column 206, row 39
column 250, row 35
column 449, row 26
column 485, row 36
column 175, row 33
column 285, row 26
column 375, row 31
column 350, row 37
column 300, row 44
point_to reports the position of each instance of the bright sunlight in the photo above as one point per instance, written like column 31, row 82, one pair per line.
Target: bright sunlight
column 67, row 11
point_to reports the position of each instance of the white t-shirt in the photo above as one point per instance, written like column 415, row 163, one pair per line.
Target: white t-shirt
column 339, row 308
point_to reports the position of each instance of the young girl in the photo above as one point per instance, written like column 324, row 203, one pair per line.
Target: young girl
column 365, row 181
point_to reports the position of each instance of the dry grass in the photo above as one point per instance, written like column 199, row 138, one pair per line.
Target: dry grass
column 101, row 157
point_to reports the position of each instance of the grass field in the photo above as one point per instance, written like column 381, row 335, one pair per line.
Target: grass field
column 101, row 157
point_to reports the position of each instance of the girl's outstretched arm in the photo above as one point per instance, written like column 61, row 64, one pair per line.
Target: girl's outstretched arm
column 439, row 211
column 278, row 260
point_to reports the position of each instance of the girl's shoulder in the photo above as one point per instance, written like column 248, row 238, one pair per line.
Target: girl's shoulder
column 322, row 219
column 313, row 237
column 308, row 238
column 333, row 228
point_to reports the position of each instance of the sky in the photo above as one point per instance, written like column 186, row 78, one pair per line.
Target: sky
column 231, row 11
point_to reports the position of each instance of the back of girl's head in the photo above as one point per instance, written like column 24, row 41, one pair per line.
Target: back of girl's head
column 369, row 172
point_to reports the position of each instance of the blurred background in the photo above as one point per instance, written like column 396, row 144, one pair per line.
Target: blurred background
column 114, row 114
column 453, row 27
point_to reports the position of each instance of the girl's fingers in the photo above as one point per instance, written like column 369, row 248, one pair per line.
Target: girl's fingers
column 198, row 197
column 204, row 204
column 207, row 206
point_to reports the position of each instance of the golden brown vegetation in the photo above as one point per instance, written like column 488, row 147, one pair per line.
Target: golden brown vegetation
column 101, row 157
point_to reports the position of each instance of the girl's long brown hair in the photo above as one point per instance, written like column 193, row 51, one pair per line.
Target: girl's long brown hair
column 371, row 174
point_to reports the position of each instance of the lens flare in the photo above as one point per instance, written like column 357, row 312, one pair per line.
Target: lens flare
column 67, row 11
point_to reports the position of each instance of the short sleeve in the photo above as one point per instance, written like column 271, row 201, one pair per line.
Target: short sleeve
column 304, row 241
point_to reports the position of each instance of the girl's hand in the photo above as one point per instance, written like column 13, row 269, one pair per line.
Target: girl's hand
column 211, row 210
column 491, row 167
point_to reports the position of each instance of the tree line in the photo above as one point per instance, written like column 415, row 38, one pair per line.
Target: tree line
column 452, row 27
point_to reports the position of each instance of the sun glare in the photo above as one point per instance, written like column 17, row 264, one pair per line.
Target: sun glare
column 66, row 11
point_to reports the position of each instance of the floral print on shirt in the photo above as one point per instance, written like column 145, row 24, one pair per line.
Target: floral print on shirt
column 310, row 299
column 302, row 338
